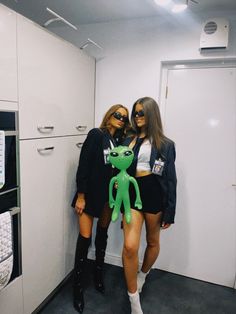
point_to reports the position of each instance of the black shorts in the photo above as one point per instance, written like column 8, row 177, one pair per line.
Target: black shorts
column 150, row 192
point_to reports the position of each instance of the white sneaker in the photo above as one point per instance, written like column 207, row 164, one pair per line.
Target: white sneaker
column 135, row 303
column 141, row 277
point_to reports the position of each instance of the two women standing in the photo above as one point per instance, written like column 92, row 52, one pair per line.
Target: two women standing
column 154, row 169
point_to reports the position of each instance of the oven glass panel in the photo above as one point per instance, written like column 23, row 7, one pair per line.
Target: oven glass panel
column 8, row 200
column 7, row 121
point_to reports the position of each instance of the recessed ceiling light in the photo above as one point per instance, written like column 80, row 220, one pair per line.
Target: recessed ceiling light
column 177, row 8
column 162, row 2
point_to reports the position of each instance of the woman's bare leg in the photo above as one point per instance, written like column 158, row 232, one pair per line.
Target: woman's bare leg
column 153, row 227
column 85, row 225
column 132, row 233
column 152, row 223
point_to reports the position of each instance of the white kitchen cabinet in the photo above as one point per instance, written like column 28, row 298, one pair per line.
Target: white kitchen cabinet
column 11, row 301
column 70, row 221
column 8, row 106
column 49, row 228
column 56, row 84
column 8, row 59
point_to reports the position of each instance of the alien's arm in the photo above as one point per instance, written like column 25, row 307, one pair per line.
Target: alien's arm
column 138, row 202
column 111, row 198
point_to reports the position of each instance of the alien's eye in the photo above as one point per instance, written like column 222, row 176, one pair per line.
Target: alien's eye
column 113, row 154
column 128, row 153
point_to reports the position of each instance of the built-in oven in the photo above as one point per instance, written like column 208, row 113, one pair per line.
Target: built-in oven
column 9, row 180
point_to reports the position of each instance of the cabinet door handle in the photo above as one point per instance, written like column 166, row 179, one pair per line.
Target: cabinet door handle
column 79, row 145
column 233, row 184
column 81, row 127
column 45, row 150
column 45, row 129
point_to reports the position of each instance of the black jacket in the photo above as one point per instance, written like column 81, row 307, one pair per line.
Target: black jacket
column 168, row 180
column 93, row 175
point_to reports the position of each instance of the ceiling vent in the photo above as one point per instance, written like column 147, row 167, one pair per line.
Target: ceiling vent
column 215, row 34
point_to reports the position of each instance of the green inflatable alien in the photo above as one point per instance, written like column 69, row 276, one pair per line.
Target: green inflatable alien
column 121, row 157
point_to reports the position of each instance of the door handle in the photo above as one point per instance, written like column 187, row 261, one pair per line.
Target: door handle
column 45, row 129
column 45, row 150
column 233, row 184
column 81, row 127
column 79, row 145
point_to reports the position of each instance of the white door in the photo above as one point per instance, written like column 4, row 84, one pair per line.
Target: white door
column 200, row 116
column 42, row 191
column 49, row 223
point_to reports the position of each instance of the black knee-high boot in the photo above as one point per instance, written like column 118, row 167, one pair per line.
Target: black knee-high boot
column 79, row 272
column 100, row 245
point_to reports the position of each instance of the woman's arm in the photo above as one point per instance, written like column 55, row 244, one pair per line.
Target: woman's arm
column 171, row 181
column 88, row 151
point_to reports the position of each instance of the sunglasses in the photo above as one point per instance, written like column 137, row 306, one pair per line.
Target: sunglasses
column 118, row 116
column 138, row 114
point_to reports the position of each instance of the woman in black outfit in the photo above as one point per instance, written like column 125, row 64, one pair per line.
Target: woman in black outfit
column 91, row 199
column 154, row 169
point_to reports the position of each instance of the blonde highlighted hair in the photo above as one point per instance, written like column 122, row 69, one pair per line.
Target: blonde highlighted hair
column 105, row 125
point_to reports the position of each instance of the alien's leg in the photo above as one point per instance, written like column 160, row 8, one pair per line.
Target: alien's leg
column 116, row 210
column 126, row 201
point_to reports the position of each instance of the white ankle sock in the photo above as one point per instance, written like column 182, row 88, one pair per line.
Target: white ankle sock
column 141, row 277
column 135, row 303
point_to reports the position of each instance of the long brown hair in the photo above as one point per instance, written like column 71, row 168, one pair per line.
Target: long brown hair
column 154, row 129
column 105, row 125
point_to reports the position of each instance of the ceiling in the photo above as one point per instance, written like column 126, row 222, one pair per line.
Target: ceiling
column 81, row 12
column 128, row 18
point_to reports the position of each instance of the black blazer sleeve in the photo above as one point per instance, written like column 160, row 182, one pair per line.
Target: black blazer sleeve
column 171, row 182
column 85, row 162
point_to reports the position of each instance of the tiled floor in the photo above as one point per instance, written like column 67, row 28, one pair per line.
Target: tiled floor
column 163, row 293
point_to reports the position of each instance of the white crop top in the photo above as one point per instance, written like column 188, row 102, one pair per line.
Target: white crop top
column 144, row 157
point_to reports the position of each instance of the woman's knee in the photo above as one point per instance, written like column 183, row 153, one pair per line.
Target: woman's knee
column 153, row 242
column 130, row 250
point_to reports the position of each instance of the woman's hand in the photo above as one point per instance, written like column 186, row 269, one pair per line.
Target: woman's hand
column 80, row 203
column 165, row 225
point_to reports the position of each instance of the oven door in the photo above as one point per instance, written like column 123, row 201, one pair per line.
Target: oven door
column 9, row 188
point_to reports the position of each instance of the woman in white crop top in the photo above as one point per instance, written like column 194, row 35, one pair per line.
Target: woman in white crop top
column 144, row 154
column 156, row 178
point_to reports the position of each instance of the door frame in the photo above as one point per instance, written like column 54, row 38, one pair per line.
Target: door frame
column 188, row 64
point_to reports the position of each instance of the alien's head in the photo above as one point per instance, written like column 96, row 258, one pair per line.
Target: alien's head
column 121, row 157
